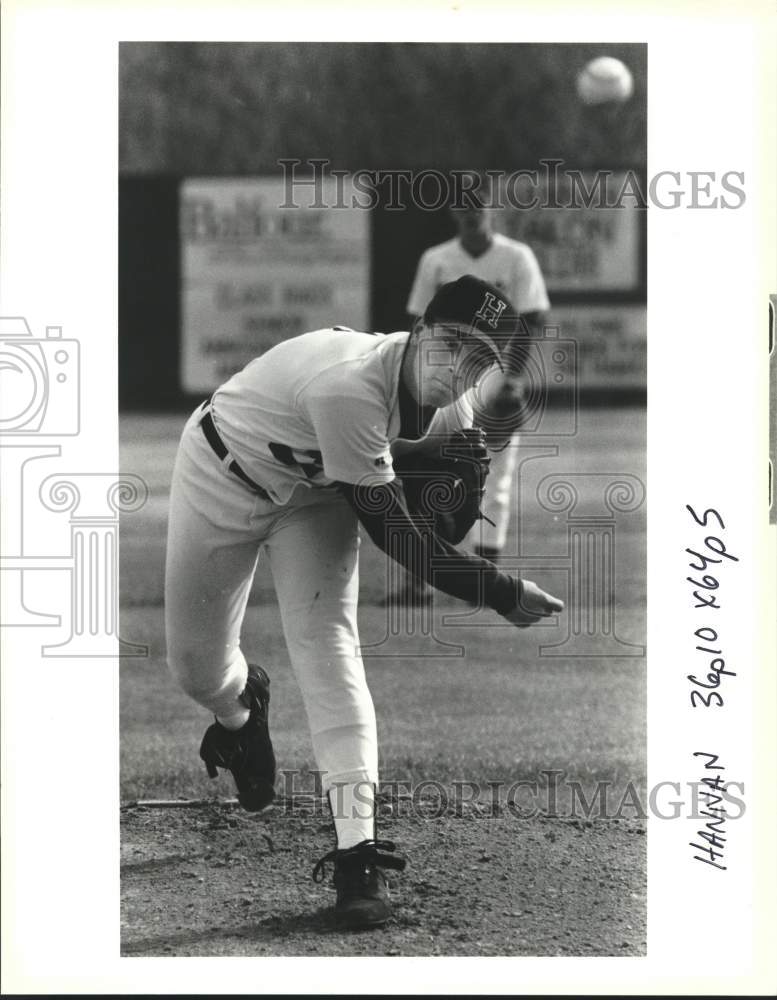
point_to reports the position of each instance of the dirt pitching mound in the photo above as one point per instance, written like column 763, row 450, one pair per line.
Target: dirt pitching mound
column 211, row 879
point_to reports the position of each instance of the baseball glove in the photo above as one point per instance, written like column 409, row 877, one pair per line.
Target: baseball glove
column 446, row 485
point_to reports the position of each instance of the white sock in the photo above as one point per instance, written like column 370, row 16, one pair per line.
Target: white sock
column 353, row 810
column 236, row 720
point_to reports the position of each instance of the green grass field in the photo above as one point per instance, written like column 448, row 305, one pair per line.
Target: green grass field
column 499, row 712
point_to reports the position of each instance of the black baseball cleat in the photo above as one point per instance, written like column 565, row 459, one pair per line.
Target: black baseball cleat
column 246, row 752
column 362, row 893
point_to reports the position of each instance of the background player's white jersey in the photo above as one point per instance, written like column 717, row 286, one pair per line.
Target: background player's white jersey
column 320, row 408
column 508, row 264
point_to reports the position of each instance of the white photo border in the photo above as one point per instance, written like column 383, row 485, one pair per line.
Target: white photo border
column 712, row 78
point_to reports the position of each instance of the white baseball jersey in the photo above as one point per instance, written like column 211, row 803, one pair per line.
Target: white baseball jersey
column 321, row 408
column 508, row 264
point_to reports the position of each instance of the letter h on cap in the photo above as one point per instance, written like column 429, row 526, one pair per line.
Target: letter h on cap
column 491, row 310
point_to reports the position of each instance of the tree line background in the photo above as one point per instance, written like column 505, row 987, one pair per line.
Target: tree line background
column 237, row 108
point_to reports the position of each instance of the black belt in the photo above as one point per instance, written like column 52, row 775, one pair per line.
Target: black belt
column 221, row 450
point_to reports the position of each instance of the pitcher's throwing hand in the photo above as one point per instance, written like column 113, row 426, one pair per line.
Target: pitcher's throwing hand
column 533, row 604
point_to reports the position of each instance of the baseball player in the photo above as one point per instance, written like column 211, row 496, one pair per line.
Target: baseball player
column 513, row 269
column 288, row 457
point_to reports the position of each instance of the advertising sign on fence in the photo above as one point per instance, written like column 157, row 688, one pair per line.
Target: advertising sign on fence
column 587, row 237
column 254, row 273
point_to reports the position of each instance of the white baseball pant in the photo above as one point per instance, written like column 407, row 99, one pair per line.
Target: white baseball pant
column 217, row 528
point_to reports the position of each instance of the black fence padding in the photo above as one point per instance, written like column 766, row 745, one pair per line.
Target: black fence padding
column 398, row 240
column 149, row 293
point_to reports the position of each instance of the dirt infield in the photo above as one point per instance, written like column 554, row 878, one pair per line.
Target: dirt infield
column 214, row 880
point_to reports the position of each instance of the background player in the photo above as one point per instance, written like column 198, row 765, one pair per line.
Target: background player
column 289, row 456
column 513, row 269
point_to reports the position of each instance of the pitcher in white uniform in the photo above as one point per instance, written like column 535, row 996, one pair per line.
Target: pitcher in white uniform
column 287, row 458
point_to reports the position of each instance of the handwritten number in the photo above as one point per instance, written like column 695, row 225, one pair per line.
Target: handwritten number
column 706, row 699
column 705, row 516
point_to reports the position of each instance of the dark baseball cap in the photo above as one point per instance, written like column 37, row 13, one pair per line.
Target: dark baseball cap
column 477, row 305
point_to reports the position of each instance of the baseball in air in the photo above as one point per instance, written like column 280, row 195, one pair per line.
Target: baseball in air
column 605, row 81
